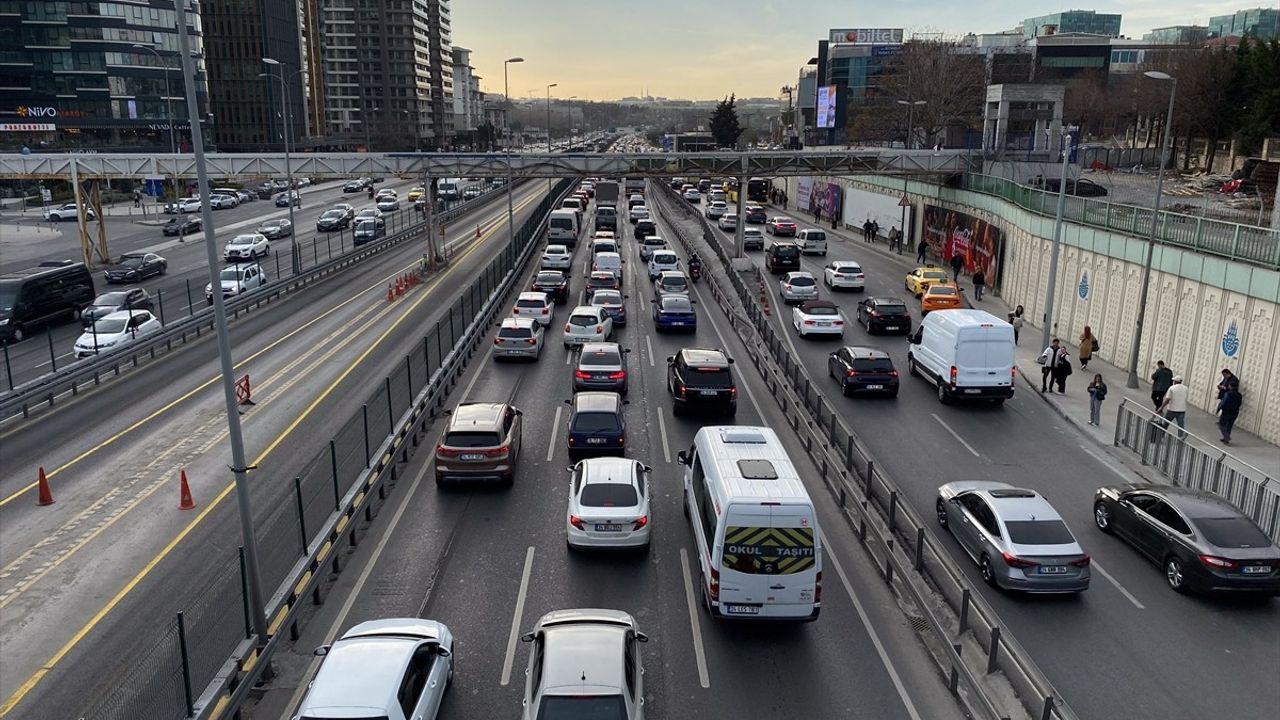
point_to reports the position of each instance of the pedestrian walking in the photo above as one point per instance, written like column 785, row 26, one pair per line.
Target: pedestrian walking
column 1047, row 361
column 957, row 264
column 835, row 218
column 922, row 251
column 784, row 199
column 866, row 230
column 817, row 213
column 979, row 283
column 1228, row 409
column 1018, row 312
column 1088, row 346
column 1097, row 393
column 1229, row 382
column 875, row 230
column 1174, row 407
column 1161, row 380
column 1061, row 370
column 137, row 198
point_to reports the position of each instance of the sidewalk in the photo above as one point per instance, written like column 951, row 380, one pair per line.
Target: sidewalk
column 1074, row 406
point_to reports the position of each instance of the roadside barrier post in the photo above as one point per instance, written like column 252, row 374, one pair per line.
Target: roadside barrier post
column 191, row 309
column 8, row 366
column 186, row 664
column 160, row 303
column 53, row 359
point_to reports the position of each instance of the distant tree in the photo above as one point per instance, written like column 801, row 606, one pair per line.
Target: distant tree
column 724, row 123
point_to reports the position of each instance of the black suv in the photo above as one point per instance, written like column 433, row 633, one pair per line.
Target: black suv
column 863, row 370
column 554, row 283
column 702, row 378
column 782, row 257
column 644, row 228
column 884, row 314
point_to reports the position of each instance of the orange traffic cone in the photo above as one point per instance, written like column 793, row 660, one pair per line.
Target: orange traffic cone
column 390, row 293
column 46, row 495
column 185, row 502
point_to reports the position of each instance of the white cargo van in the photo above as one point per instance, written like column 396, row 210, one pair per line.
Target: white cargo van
column 812, row 241
column 562, row 227
column 756, row 531
column 965, row 353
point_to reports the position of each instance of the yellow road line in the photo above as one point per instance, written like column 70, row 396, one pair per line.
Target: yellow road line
column 31, row 682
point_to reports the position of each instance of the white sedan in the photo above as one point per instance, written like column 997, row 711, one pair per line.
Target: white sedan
column 817, row 317
column 115, row 330
column 844, row 274
column 388, row 203
column 727, row 221
column 246, row 247
column 716, row 210
column 587, row 323
column 536, row 305
column 637, row 213
column 557, row 257
column 189, row 205
column 609, row 504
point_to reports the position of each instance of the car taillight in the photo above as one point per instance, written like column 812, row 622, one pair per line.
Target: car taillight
column 1013, row 372
column 837, row 323
column 599, row 328
column 714, row 590
column 873, row 313
column 680, row 389
column 850, row 373
column 893, row 373
column 442, row 451
column 640, row 522
column 953, row 376
column 497, row 341
column 515, row 310
column 532, row 340
column 1218, row 563
column 808, row 322
column 618, row 375
column 1016, row 562
column 817, row 589
column 576, row 521
column 733, row 392
column 1082, row 562
column 499, row 452
column 581, row 375
column 566, row 327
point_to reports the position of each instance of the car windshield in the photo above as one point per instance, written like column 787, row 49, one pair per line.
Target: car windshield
column 582, row 707
column 111, row 299
column 110, row 327
column 471, row 439
column 131, row 261
column 821, row 310
column 8, row 293
column 367, row 225
column 609, row 494
column 1039, row 532
column 582, row 320
column 677, row 304
column 800, row 280
column 243, row 240
column 876, row 365
column 273, row 224
column 1232, row 532
column 709, row 377
column 591, row 422
column 333, row 215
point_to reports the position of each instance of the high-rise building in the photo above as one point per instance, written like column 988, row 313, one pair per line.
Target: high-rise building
column 1178, row 35
column 1073, row 21
column 386, row 83
column 1260, row 23
column 468, row 100
column 247, row 109
column 70, row 76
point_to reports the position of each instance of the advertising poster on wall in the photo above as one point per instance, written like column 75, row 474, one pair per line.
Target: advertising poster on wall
column 804, row 193
column 951, row 233
column 827, row 97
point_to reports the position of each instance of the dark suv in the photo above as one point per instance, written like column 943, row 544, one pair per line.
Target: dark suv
column 702, row 378
column 863, row 370
column 596, row 424
column 644, row 227
column 782, row 257
column 884, row 314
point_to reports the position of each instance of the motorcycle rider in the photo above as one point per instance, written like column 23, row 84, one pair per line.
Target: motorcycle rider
column 695, row 266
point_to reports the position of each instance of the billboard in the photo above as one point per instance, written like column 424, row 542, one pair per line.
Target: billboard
column 866, row 36
column 978, row 242
column 827, row 95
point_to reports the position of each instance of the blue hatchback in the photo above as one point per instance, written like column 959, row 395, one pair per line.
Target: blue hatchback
column 596, row 424
column 674, row 312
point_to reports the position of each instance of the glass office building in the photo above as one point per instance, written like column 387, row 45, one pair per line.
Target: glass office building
column 1073, row 21
column 1260, row 23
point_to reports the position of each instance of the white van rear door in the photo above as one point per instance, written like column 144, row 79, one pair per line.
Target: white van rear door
column 769, row 557
column 796, row 576
column 984, row 359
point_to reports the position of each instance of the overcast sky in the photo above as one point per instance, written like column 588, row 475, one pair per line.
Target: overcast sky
column 607, row 49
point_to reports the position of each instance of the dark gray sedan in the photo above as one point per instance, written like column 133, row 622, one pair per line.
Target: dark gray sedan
column 276, row 228
column 601, row 366
column 136, row 266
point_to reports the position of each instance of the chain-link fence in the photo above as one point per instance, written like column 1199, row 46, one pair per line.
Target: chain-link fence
column 161, row 677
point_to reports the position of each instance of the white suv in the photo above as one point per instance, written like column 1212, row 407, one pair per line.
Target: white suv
column 246, row 247
column 237, row 279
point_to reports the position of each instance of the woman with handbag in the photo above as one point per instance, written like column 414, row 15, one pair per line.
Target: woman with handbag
column 1097, row 393
column 1088, row 346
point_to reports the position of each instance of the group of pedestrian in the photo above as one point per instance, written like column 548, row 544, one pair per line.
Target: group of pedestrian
column 1169, row 395
column 778, row 196
column 870, row 230
column 1055, row 367
column 895, row 239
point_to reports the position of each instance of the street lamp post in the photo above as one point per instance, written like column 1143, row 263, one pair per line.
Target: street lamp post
column 905, row 236
column 549, row 115
column 506, row 97
column 239, row 465
column 571, row 135
column 168, row 102
column 1132, row 380
column 1052, row 291
column 286, row 117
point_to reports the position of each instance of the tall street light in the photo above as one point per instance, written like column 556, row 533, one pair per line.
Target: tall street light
column 906, row 236
column 571, row 99
column 506, row 127
column 285, row 117
column 168, row 102
column 1051, row 293
column 911, row 106
column 1132, row 380
column 239, row 466
column 549, row 115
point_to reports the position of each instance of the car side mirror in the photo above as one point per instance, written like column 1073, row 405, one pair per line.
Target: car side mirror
column 682, row 457
column 626, row 350
column 626, row 402
column 670, row 359
column 641, row 637
column 730, row 361
column 528, row 637
column 655, row 302
column 517, row 411
column 448, row 411
column 568, row 402
column 321, row 651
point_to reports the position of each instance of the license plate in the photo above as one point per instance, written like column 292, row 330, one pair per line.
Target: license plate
column 1255, row 569
column 595, row 441
column 742, row 610
column 608, row 527
column 824, row 324
column 1053, row 569
column 973, row 391
column 471, row 456
column 875, row 387
column 890, row 327
column 710, row 393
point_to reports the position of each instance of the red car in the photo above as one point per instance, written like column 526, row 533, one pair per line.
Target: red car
column 781, row 226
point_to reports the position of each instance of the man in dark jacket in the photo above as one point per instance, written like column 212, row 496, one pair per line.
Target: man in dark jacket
column 1161, row 380
column 1228, row 409
column 957, row 264
column 922, row 252
column 1229, row 382
column 979, row 283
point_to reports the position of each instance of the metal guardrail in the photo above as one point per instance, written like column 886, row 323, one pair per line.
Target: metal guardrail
column 109, row 363
column 205, row 663
column 1189, row 460
column 897, row 539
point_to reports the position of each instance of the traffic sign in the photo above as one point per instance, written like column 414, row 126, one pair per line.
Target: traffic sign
column 154, row 187
column 46, row 195
column 905, row 201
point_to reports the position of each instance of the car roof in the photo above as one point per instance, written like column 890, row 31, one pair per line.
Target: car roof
column 363, row 672
column 941, row 286
column 597, row 402
column 800, row 273
column 887, row 300
column 475, row 415
column 705, row 356
column 594, row 347
column 415, row 628
column 1009, row 502
column 551, row 272
column 533, row 295
column 609, row 470
column 846, row 263
column 928, row 268
column 587, row 310
column 863, row 351
column 123, row 314
column 518, row 322
column 1197, row 503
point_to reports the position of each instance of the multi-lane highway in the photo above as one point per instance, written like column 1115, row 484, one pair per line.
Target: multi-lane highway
column 488, row 561
column 85, row 582
column 1129, row 642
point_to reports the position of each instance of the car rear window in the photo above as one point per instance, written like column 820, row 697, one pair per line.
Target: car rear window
column 676, row 304
column 582, row 320
column 709, row 377
column 676, row 284
column 530, row 303
column 816, row 235
column 785, row 251
column 935, row 276
column 942, row 291
column 605, row 210
column 801, row 281
column 873, row 365
column 600, row 357
column 822, row 310
column 602, row 282
column 1039, row 532
column 518, row 333
column 606, row 297
column 596, row 422
column 582, row 707
column 608, row 495
column 1232, row 532
column 550, row 279
column 471, row 439
column 562, row 223
column 892, row 309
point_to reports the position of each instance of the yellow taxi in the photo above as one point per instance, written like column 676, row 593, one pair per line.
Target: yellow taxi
column 939, row 297
column 924, row 276
column 417, row 193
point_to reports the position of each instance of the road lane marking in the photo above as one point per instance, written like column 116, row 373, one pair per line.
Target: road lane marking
column 1106, row 464
column 649, row 348
column 35, row 678
column 517, row 617
column 1117, row 584
column 466, row 392
column 555, row 430
column 662, row 429
column 356, row 589
column 871, row 632
column 955, row 435
column 698, row 652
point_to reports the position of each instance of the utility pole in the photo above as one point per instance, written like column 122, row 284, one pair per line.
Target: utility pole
column 1051, row 293
column 286, row 117
column 168, row 102
column 506, row 96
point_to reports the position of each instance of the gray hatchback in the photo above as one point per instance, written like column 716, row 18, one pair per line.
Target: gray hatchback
column 601, row 366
